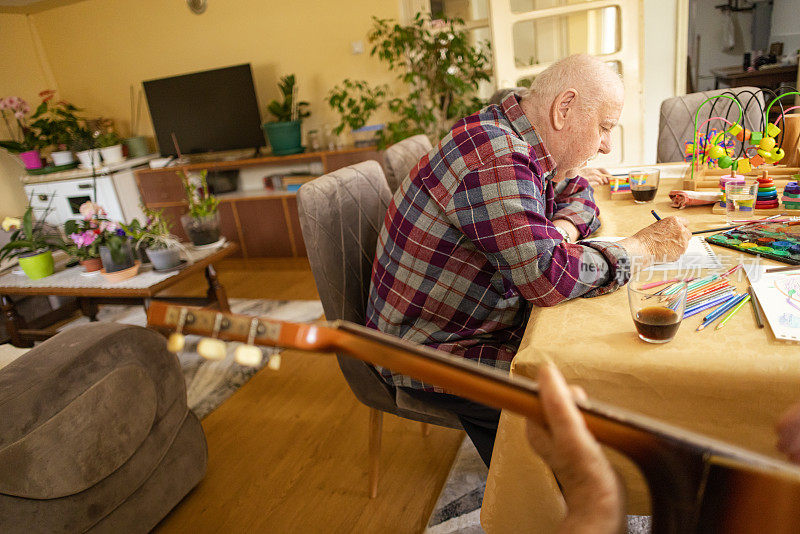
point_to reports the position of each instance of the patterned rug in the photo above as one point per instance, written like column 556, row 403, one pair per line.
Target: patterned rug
column 208, row 383
column 458, row 509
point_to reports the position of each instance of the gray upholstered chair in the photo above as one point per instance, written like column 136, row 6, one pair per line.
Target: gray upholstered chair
column 95, row 434
column 401, row 157
column 341, row 215
column 677, row 118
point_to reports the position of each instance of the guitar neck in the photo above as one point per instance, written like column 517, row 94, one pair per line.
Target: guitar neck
column 636, row 435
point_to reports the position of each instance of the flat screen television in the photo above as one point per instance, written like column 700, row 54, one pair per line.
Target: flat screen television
column 209, row 111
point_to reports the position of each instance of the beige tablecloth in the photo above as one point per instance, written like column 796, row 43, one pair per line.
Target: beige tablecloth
column 731, row 383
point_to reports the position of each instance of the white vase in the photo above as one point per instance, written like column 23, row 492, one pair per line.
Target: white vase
column 112, row 154
column 89, row 158
column 62, row 157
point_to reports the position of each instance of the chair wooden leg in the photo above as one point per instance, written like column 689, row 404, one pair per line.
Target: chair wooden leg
column 375, row 431
column 426, row 429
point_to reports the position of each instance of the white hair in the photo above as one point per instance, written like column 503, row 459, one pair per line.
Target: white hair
column 594, row 80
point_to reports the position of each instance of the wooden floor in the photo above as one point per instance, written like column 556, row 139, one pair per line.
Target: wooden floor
column 288, row 451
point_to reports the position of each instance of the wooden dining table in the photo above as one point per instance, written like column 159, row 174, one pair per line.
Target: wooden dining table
column 731, row 384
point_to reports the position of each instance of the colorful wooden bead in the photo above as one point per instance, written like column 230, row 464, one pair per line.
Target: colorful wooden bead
column 724, row 162
column 768, row 143
column 744, row 165
column 777, row 154
column 716, row 152
column 755, row 137
column 756, row 160
column 773, row 130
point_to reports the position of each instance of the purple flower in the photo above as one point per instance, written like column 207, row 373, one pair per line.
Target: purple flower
column 120, row 232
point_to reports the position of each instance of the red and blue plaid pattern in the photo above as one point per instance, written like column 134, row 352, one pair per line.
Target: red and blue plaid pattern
column 468, row 245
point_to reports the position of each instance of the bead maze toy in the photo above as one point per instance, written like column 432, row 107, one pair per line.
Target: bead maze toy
column 739, row 152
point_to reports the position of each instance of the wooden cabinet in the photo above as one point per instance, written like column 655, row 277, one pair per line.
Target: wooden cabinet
column 264, row 223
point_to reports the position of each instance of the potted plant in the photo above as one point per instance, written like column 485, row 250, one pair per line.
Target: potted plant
column 117, row 255
column 356, row 101
column 31, row 243
column 84, row 145
column 284, row 132
column 85, row 237
column 202, row 222
column 110, row 145
column 58, row 123
column 26, row 140
column 162, row 248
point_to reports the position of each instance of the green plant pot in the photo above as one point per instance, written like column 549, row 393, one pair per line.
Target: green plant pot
column 37, row 264
column 284, row 137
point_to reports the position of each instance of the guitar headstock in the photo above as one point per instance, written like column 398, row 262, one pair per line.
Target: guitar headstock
column 218, row 327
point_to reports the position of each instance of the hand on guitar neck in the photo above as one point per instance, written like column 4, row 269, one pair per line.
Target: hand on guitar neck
column 593, row 493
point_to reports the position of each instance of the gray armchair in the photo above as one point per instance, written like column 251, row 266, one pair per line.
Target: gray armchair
column 401, row 157
column 341, row 215
column 676, row 123
column 96, row 435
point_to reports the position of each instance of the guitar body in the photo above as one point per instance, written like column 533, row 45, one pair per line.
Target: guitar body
column 697, row 485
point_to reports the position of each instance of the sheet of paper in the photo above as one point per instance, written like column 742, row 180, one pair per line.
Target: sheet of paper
column 779, row 296
column 697, row 256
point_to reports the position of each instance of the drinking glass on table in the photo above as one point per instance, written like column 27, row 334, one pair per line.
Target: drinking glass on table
column 644, row 184
column 657, row 317
column 740, row 199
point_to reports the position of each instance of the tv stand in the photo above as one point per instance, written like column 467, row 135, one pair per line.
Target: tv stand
column 264, row 222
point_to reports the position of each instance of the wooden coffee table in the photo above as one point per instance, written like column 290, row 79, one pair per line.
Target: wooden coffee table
column 92, row 291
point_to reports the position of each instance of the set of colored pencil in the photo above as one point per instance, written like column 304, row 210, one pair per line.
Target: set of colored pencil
column 732, row 305
column 708, row 293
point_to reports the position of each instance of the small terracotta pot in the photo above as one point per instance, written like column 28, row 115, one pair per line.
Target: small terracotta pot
column 119, row 276
column 91, row 265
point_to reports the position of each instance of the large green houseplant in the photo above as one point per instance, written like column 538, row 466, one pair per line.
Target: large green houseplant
column 355, row 101
column 440, row 69
column 284, row 131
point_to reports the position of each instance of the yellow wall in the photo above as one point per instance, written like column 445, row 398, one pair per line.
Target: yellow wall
column 98, row 48
column 21, row 74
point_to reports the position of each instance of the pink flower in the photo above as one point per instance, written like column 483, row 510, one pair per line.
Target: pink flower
column 91, row 210
column 83, row 240
column 3, row 104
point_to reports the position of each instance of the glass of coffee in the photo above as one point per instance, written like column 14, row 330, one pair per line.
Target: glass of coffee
column 657, row 316
column 644, row 184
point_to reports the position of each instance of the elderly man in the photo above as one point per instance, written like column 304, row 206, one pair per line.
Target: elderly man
column 485, row 227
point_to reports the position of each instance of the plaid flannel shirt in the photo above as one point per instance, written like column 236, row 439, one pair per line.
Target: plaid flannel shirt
column 468, row 245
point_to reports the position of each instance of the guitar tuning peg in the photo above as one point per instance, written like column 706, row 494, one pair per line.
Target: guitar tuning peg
column 274, row 362
column 176, row 340
column 212, row 348
column 249, row 354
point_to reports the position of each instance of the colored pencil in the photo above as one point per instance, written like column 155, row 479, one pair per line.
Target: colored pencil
column 720, row 229
column 701, row 298
column 732, row 270
column 655, row 215
column 756, row 307
column 710, row 288
column 734, row 310
column 702, row 307
column 651, row 285
column 716, row 314
column 701, row 281
column 783, row 269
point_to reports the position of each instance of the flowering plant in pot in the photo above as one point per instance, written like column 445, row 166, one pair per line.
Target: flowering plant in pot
column 202, row 221
column 84, row 237
column 58, row 124
column 31, row 243
column 162, row 248
column 25, row 137
column 116, row 252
